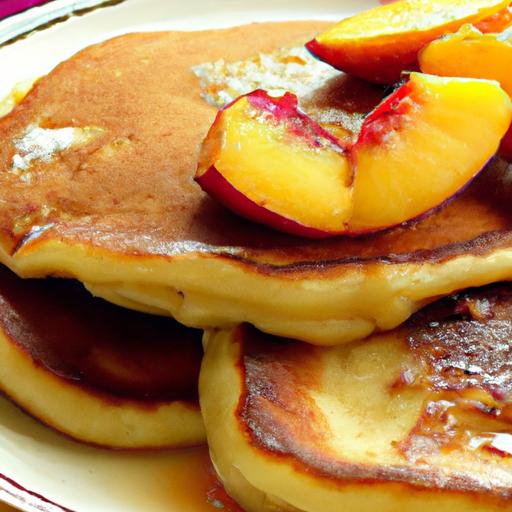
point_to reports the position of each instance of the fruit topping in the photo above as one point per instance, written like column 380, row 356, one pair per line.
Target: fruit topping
column 378, row 44
column 268, row 161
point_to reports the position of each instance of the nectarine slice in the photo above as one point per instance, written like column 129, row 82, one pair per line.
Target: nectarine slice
column 423, row 145
column 377, row 45
column 469, row 53
column 269, row 162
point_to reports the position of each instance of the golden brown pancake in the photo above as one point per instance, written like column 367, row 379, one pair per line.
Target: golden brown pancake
column 96, row 169
column 415, row 419
column 96, row 372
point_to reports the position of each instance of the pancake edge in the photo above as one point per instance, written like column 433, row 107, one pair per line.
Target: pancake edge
column 205, row 290
column 262, row 477
column 102, row 420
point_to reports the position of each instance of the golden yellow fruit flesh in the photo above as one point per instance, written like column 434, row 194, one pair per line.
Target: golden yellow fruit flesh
column 380, row 43
column 429, row 143
column 278, row 160
column 469, row 53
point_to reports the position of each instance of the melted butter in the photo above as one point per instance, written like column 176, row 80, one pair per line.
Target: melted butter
column 19, row 91
column 321, row 90
column 43, row 144
column 32, row 220
column 291, row 70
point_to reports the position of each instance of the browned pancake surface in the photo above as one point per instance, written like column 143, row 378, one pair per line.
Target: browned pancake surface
column 130, row 190
column 103, row 348
column 466, row 342
column 460, row 356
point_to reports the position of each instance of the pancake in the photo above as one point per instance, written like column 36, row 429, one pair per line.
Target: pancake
column 418, row 418
column 96, row 167
column 95, row 372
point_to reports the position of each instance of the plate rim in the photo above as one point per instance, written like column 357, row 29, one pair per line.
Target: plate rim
column 17, row 496
column 46, row 15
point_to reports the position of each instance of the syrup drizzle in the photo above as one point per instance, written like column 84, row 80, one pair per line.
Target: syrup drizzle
column 464, row 345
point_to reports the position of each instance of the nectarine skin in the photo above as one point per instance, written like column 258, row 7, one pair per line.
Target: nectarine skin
column 218, row 187
column 415, row 151
column 506, row 146
column 258, row 132
column 377, row 45
column 387, row 116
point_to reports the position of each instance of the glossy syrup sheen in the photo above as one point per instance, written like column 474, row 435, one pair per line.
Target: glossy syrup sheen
column 464, row 345
column 194, row 486
column 181, row 480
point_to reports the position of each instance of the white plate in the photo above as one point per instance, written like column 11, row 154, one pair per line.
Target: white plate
column 40, row 470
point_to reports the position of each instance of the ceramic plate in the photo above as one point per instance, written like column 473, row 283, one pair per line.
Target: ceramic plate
column 40, row 470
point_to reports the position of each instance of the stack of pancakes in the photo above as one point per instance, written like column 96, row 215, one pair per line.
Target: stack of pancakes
column 341, row 374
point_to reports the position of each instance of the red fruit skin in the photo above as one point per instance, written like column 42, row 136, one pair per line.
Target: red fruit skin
column 372, row 71
column 285, row 110
column 505, row 150
column 387, row 116
column 219, row 188
column 421, row 216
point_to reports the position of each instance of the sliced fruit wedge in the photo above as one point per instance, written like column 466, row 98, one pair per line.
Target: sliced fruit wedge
column 469, row 53
column 269, row 162
column 377, row 45
column 421, row 146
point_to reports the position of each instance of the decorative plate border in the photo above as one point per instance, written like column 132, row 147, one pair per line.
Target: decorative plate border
column 46, row 15
column 17, row 496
